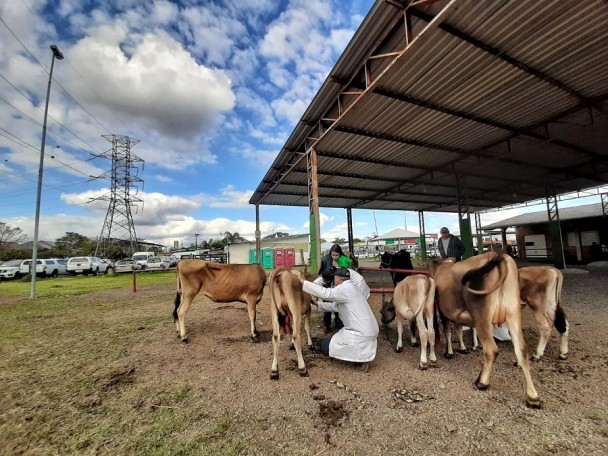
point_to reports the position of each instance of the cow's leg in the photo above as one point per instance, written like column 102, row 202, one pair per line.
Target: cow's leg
column 544, row 328
column 447, row 330
column 462, row 348
column 306, row 318
column 490, row 351
column 424, row 340
column 252, row 302
column 399, row 347
column 297, row 341
column 475, row 341
column 181, row 315
column 276, row 340
column 561, row 324
column 430, row 333
column 521, row 352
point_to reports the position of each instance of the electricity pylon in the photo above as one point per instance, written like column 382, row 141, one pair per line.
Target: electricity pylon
column 118, row 228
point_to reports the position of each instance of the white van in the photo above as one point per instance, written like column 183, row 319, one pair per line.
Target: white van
column 142, row 258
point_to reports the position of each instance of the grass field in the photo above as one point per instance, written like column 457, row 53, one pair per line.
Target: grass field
column 75, row 285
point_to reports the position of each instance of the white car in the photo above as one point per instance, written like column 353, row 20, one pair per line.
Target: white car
column 86, row 265
column 11, row 269
column 48, row 267
column 157, row 263
column 127, row 266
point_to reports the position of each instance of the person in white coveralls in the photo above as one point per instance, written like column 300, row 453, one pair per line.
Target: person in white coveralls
column 357, row 340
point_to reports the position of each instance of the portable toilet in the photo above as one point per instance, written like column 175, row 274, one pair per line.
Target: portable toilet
column 290, row 256
column 268, row 258
column 252, row 256
column 279, row 257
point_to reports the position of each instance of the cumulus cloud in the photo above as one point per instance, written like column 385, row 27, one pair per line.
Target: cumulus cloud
column 151, row 79
column 322, row 218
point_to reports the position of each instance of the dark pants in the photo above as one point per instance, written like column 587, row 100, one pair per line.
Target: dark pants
column 325, row 344
column 327, row 320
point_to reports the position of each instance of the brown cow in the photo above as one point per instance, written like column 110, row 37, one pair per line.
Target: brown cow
column 482, row 291
column 541, row 290
column 288, row 304
column 414, row 300
column 220, row 283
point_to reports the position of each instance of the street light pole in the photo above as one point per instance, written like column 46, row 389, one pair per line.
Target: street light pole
column 196, row 241
column 59, row 56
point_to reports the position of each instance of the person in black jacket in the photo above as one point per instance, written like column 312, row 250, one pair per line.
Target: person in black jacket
column 329, row 264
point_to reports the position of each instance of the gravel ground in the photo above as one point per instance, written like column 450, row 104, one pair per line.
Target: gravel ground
column 395, row 407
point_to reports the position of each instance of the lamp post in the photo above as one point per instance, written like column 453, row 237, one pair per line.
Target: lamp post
column 59, row 56
column 196, row 241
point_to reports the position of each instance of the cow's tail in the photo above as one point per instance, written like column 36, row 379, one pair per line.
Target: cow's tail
column 177, row 303
column 275, row 300
column 473, row 279
column 178, row 293
column 560, row 322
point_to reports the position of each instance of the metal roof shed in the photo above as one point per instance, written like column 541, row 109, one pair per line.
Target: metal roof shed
column 454, row 106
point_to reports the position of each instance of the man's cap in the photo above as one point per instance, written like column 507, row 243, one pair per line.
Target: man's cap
column 344, row 273
column 344, row 262
column 444, row 230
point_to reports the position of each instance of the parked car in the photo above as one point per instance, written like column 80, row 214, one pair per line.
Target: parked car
column 11, row 269
column 109, row 264
column 86, row 265
column 127, row 266
column 157, row 263
column 48, row 267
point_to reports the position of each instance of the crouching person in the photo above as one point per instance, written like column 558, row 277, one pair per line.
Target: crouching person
column 357, row 340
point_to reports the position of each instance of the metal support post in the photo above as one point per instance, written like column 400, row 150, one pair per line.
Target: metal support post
column 258, row 240
column 464, row 217
column 555, row 230
column 422, row 236
column 349, row 220
column 479, row 233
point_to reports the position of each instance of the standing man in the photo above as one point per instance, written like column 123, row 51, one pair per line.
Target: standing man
column 357, row 340
column 450, row 245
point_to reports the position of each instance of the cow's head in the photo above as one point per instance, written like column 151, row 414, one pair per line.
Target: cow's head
column 387, row 312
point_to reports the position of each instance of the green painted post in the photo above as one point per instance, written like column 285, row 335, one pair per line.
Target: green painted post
column 466, row 237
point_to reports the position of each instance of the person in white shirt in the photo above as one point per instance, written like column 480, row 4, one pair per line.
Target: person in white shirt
column 357, row 340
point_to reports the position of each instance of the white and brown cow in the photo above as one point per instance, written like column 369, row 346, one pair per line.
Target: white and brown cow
column 220, row 283
column 483, row 291
column 414, row 300
column 541, row 290
column 288, row 306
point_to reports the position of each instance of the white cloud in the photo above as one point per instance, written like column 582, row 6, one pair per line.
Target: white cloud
column 150, row 79
column 323, row 219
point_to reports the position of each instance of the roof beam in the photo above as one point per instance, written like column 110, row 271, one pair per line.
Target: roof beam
column 484, row 121
column 498, row 53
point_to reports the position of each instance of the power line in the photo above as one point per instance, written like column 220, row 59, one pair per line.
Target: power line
column 50, row 116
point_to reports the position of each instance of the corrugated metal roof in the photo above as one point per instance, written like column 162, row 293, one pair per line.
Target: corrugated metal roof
column 507, row 98
column 534, row 218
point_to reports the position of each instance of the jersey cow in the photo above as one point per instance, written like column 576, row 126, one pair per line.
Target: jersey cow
column 483, row 291
column 541, row 290
column 414, row 300
column 288, row 305
column 220, row 283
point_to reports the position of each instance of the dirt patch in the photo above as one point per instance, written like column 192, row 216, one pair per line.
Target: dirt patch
column 118, row 379
column 332, row 413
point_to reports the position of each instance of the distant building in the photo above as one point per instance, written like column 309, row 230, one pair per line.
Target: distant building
column 581, row 226
column 241, row 252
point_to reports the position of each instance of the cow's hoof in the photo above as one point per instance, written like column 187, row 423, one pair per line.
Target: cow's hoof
column 399, row 349
column 255, row 339
column 415, row 344
column 303, row 372
column 184, row 340
column 563, row 356
column 449, row 355
column 533, row 403
column 424, row 366
column 312, row 348
column 433, row 363
column 481, row 386
column 535, row 358
column 274, row 375
column 463, row 351
column 292, row 346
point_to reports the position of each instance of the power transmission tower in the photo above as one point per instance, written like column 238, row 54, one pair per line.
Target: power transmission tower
column 118, row 230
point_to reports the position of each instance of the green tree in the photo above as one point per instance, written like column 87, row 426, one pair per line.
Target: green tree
column 232, row 238
column 74, row 244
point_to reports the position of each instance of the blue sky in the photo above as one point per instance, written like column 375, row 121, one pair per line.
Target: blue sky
column 211, row 89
